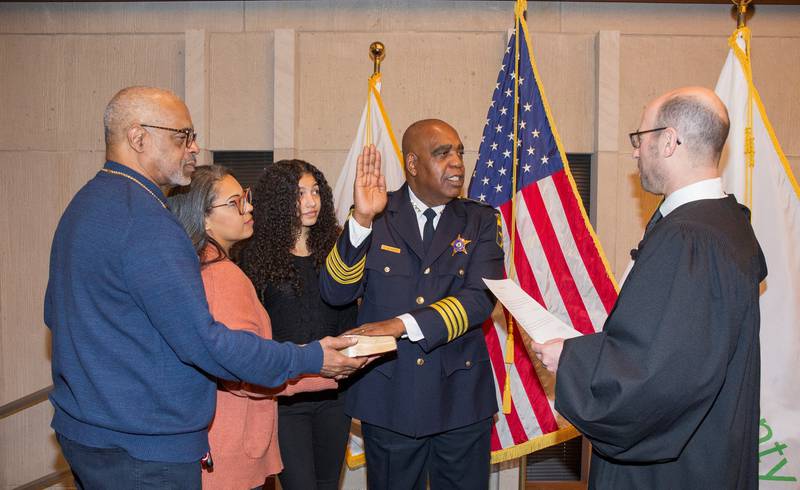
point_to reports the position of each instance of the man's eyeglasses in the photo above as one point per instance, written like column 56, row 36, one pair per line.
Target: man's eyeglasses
column 191, row 136
column 636, row 139
column 240, row 202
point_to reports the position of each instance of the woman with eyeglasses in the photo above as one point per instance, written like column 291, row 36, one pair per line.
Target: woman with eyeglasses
column 217, row 213
column 294, row 231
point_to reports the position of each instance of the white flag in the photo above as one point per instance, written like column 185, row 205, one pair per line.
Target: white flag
column 772, row 193
column 376, row 129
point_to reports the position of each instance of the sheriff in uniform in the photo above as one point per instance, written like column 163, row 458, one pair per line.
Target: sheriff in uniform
column 417, row 257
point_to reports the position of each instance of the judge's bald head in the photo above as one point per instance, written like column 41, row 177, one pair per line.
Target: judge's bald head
column 680, row 139
column 700, row 119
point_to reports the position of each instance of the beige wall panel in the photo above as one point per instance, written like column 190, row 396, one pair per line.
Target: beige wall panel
column 794, row 162
column 53, row 178
column 55, row 88
column 328, row 161
column 604, row 163
column 34, row 452
column 652, row 65
column 606, row 204
column 284, row 100
column 196, row 75
column 241, row 91
column 120, row 17
column 669, row 18
column 382, row 15
column 566, row 64
column 24, row 339
column 283, row 154
column 332, row 72
column 776, row 74
column 395, row 15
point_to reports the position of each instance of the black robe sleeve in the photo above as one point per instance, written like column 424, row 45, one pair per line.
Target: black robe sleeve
column 640, row 389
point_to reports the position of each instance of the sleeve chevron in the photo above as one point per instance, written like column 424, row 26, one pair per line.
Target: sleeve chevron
column 454, row 316
column 341, row 272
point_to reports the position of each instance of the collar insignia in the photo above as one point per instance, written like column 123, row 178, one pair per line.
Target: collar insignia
column 460, row 245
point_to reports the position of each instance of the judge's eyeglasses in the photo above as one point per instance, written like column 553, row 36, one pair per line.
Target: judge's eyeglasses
column 636, row 139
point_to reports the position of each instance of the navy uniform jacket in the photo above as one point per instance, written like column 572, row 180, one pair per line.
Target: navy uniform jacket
column 444, row 381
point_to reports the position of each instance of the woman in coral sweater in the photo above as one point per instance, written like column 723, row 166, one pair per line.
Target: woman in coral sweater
column 217, row 213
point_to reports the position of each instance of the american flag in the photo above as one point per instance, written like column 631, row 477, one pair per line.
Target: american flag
column 557, row 259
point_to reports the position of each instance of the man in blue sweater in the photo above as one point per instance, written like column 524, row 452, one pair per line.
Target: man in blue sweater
column 135, row 349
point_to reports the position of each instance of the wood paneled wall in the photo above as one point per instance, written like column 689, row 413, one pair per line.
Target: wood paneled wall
column 291, row 76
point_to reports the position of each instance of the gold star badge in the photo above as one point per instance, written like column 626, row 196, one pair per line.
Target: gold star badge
column 460, row 245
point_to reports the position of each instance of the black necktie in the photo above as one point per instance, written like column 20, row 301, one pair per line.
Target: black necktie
column 650, row 224
column 427, row 232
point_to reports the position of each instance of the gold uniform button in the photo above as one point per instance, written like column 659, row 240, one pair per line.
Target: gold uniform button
column 461, row 272
column 387, row 269
column 427, row 270
column 468, row 363
column 420, row 361
column 420, row 300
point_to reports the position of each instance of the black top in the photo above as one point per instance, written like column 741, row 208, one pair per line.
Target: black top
column 305, row 317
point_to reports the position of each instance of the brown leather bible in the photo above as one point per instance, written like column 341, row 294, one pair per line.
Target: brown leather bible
column 369, row 345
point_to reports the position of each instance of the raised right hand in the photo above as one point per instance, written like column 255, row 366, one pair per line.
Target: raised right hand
column 334, row 364
column 369, row 189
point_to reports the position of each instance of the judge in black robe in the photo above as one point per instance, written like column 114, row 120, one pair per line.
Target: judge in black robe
column 668, row 392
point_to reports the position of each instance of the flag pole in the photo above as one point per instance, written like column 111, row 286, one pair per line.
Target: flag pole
column 519, row 11
column 749, row 140
column 377, row 53
column 741, row 6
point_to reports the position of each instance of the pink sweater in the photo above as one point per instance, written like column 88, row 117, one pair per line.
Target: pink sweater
column 244, row 433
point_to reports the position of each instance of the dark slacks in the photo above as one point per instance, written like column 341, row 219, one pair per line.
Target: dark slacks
column 113, row 468
column 312, row 432
column 454, row 460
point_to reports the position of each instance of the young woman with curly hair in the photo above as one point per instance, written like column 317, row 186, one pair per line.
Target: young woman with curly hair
column 294, row 231
column 217, row 214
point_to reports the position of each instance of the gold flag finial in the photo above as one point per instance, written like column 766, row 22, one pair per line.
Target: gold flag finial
column 741, row 11
column 377, row 52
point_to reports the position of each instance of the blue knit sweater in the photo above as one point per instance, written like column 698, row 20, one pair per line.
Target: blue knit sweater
column 135, row 350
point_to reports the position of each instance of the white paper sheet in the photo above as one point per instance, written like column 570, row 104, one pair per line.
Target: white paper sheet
column 539, row 323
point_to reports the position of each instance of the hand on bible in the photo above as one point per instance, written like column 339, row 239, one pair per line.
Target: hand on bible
column 392, row 326
column 369, row 189
column 334, row 364
column 548, row 353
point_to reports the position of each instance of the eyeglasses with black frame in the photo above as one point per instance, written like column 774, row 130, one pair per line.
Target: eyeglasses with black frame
column 239, row 202
column 636, row 139
column 191, row 136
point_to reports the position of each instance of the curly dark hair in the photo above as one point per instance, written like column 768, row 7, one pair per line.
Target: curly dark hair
column 266, row 258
